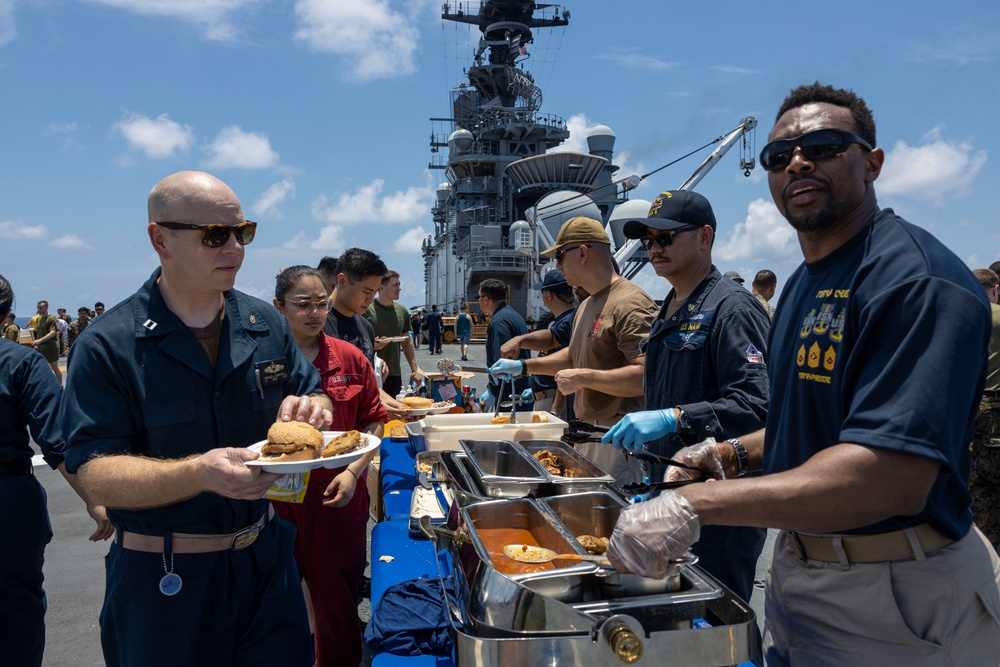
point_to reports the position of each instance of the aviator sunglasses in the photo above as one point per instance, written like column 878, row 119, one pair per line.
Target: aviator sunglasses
column 665, row 239
column 815, row 145
column 216, row 236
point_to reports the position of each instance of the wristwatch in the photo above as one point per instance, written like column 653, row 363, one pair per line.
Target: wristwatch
column 524, row 369
column 683, row 421
column 742, row 463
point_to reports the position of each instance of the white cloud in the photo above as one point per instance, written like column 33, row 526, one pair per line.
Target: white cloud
column 366, row 205
column 157, row 137
column 411, row 241
column 732, row 69
column 376, row 40
column 69, row 241
column 330, row 241
column 7, row 29
column 633, row 59
column 267, row 205
column 764, row 236
column 213, row 16
column 931, row 171
column 60, row 128
column 233, row 148
column 15, row 229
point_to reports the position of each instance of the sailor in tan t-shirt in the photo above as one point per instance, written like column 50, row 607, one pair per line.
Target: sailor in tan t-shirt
column 603, row 365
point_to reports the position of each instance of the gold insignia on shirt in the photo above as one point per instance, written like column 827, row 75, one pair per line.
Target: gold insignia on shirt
column 837, row 327
column 823, row 321
column 807, row 324
column 800, row 358
column 814, row 355
column 830, row 358
column 253, row 319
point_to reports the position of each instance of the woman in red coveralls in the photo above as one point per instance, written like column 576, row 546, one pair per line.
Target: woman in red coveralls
column 332, row 520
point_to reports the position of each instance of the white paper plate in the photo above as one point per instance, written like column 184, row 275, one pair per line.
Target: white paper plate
column 420, row 412
column 392, row 339
column 286, row 467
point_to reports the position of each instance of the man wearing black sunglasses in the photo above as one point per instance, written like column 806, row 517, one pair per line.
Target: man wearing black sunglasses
column 705, row 372
column 169, row 388
column 877, row 365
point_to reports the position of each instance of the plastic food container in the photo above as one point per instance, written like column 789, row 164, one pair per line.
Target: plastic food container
column 442, row 432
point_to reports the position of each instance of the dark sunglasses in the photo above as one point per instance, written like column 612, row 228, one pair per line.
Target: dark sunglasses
column 559, row 255
column 815, row 145
column 216, row 236
column 665, row 239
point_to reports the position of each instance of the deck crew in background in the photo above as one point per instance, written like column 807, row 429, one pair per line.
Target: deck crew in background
column 46, row 337
column 505, row 323
column 353, row 279
column 558, row 299
column 877, row 361
column 463, row 330
column 330, row 522
column 168, row 389
column 705, row 373
column 602, row 367
column 984, row 481
column 764, row 284
column 29, row 402
column 390, row 319
column 435, row 329
column 735, row 277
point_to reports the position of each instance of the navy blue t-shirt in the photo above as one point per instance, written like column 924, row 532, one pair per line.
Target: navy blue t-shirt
column 354, row 329
column 882, row 343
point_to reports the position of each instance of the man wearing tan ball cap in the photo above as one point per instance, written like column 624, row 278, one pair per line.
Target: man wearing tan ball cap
column 169, row 388
column 602, row 366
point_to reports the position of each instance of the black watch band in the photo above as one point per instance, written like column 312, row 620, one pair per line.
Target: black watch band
column 524, row 369
column 683, row 421
column 742, row 463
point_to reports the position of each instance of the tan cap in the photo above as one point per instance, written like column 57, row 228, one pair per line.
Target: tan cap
column 579, row 230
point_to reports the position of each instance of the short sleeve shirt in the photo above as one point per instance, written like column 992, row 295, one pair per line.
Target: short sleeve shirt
column 350, row 383
column 355, row 329
column 389, row 321
column 882, row 343
column 607, row 331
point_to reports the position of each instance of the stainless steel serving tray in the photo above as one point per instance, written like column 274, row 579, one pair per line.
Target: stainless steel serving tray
column 583, row 470
column 503, row 469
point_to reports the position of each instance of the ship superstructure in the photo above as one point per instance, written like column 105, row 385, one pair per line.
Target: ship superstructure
column 507, row 192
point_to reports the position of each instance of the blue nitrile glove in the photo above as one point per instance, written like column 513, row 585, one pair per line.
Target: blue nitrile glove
column 527, row 396
column 487, row 401
column 506, row 369
column 638, row 428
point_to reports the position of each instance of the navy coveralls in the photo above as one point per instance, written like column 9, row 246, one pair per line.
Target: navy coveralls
column 29, row 399
column 709, row 360
column 141, row 384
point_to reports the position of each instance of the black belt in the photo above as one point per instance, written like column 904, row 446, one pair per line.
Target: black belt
column 16, row 468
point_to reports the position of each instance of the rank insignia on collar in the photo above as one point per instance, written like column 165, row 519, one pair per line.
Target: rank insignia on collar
column 149, row 324
column 253, row 319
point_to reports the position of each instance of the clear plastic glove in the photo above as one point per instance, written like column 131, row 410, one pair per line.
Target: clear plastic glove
column 527, row 396
column 704, row 455
column 487, row 401
column 506, row 369
column 638, row 428
column 649, row 535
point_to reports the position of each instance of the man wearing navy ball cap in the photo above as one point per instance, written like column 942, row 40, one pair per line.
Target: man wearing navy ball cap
column 705, row 373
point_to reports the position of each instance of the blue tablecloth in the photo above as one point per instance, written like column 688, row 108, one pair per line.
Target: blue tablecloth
column 397, row 467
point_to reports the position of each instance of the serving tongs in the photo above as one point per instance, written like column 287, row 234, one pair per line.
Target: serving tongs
column 639, row 488
column 583, row 432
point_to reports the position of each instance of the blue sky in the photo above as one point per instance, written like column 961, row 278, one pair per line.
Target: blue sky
column 316, row 113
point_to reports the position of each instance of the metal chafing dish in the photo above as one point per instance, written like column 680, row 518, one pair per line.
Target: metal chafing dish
column 582, row 471
column 503, row 469
column 578, row 614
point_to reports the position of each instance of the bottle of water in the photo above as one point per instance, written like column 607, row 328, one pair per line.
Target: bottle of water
column 474, row 400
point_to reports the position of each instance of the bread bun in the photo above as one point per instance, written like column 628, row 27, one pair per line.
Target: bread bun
column 297, row 433
column 417, row 402
column 501, row 419
column 539, row 418
column 291, row 441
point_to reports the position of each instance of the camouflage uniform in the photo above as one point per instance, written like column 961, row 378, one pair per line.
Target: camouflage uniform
column 76, row 328
column 984, row 482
